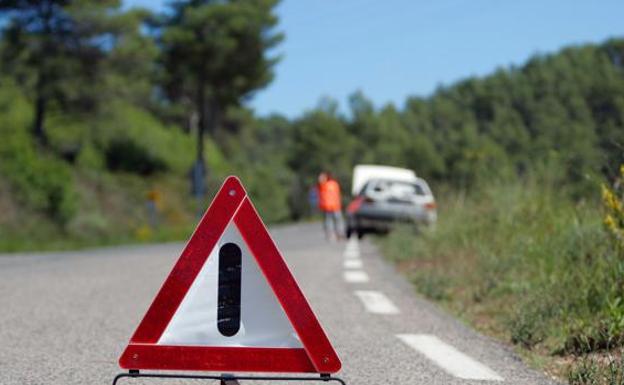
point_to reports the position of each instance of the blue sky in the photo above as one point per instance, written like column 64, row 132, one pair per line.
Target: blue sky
column 396, row 48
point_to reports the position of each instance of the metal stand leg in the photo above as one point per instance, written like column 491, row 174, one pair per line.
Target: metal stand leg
column 228, row 379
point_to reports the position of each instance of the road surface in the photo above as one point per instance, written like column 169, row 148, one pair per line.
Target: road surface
column 66, row 317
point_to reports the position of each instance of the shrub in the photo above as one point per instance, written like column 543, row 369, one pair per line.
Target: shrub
column 39, row 180
column 133, row 140
column 123, row 154
column 597, row 370
column 268, row 186
column 526, row 257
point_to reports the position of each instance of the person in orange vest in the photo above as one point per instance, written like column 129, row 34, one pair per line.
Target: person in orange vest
column 329, row 202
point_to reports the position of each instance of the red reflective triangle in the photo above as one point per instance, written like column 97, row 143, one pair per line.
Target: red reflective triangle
column 144, row 352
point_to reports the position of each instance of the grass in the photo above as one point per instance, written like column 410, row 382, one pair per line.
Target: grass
column 597, row 369
column 111, row 210
column 524, row 262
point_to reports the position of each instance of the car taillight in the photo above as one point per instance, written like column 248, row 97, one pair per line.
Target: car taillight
column 355, row 205
column 430, row 206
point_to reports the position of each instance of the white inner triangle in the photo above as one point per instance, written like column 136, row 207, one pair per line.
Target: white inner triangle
column 263, row 322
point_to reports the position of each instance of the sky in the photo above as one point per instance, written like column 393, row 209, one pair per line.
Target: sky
column 396, row 48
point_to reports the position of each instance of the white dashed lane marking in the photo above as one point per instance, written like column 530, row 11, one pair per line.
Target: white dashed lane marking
column 445, row 356
column 448, row 358
column 352, row 264
column 352, row 250
column 376, row 302
column 352, row 254
column 355, row 276
column 353, row 242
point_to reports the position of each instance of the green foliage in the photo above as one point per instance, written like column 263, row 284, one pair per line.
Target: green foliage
column 55, row 47
column 528, row 259
column 129, row 71
column 214, row 55
column 134, row 140
column 255, row 151
column 432, row 286
column 269, row 190
column 147, row 93
column 41, row 182
column 546, row 112
column 234, row 35
column 320, row 142
column 127, row 155
column 597, row 370
column 559, row 114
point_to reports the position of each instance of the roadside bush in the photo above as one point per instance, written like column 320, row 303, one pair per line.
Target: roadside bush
column 38, row 180
column 133, row 140
column 526, row 261
column 433, row 286
column 122, row 154
column 268, row 186
column 594, row 370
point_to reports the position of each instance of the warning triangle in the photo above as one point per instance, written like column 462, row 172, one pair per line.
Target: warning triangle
column 230, row 304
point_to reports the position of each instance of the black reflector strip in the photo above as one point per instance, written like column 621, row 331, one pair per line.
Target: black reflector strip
column 228, row 312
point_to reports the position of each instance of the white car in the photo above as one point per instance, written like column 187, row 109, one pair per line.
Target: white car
column 386, row 195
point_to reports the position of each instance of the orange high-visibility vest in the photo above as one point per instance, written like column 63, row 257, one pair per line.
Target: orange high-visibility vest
column 329, row 196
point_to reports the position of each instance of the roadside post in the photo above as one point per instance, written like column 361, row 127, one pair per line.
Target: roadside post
column 229, row 305
column 153, row 200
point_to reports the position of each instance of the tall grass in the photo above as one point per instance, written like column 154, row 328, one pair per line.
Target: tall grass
column 525, row 262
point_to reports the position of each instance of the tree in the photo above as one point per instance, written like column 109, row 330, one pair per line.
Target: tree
column 128, row 73
column 321, row 141
column 214, row 56
column 54, row 48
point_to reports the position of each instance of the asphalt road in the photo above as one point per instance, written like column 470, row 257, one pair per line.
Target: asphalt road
column 66, row 317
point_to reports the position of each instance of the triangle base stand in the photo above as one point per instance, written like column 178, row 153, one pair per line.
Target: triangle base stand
column 227, row 379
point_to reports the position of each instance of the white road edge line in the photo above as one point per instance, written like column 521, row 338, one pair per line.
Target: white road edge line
column 448, row 358
column 376, row 302
column 352, row 264
column 355, row 276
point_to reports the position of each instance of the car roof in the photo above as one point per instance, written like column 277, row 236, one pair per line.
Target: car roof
column 362, row 173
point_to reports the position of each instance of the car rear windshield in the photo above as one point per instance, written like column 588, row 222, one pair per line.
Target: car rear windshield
column 386, row 189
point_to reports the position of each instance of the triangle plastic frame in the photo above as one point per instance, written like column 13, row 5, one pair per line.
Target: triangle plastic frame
column 231, row 203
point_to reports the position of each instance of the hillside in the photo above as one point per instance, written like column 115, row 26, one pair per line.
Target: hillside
column 560, row 114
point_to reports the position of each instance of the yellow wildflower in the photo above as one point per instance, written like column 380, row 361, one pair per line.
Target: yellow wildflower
column 609, row 222
column 614, row 210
